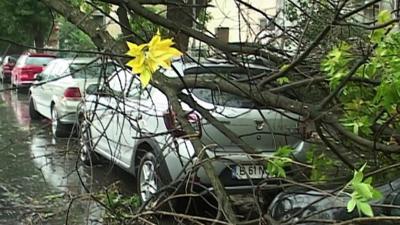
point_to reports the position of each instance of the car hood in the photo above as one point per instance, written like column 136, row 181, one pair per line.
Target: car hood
column 302, row 205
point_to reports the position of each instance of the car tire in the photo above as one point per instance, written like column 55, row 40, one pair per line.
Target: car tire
column 32, row 111
column 148, row 179
column 57, row 127
column 86, row 153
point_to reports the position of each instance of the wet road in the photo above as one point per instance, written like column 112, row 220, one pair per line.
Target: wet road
column 40, row 176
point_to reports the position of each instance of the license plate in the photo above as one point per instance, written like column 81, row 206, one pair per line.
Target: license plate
column 242, row 172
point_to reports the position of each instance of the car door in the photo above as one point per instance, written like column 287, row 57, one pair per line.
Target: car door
column 131, row 126
column 50, row 86
column 39, row 92
column 105, row 128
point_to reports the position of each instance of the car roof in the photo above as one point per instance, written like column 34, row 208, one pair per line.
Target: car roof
column 77, row 60
column 182, row 65
column 39, row 55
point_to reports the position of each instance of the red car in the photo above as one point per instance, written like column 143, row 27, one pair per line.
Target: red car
column 6, row 67
column 27, row 66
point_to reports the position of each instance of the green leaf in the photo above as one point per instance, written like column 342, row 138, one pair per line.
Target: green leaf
column 384, row 16
column 281, row 172
column 284, row 67
column 351, row 205
column 284, row 151
column 365, row 208
column 376, row 195
column 377, row 35
column 368, row 180
column 282, row 80
column 363, row 189
column 358, row 177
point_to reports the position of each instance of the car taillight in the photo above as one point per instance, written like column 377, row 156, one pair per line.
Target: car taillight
column 173, row 126
column 72, row 93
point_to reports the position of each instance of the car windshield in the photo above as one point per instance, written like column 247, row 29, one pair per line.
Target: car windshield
column 94, row 70
column 223, row 99
column 39, row 61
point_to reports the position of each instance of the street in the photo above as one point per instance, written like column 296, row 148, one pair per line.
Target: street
column 39, row 175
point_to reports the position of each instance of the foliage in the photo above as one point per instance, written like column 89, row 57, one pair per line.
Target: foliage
column 321, row 165
column 142, row 27
column 336, row 63
column 27, row 22
column 308, row 18
column 86, row 7
column 72, row 38
column 119, row 204
column 148, row 58
column 363, row 193
column 280, row 159
column 283, row 80
column 363, row 103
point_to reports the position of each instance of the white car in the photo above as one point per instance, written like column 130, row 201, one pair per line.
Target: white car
column 135, row 129
column 59, row 88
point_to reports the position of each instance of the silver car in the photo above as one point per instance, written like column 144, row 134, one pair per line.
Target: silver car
column 59, row 89
column 136, row 129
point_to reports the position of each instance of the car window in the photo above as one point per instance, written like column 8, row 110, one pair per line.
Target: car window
column 21, row 60
column 5, row 61
column 135, row 90
column 223, row 98
column 38, row 60
column 92, row 70
column 122, row 82
column 48, row 70
column 61, row 69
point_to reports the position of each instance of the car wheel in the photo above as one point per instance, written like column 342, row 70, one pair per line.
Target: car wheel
column 32, row 111
column 148, row 181
column 87, row 154
column 58, row 129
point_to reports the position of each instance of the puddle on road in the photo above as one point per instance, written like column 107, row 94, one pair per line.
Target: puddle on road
column 38, row 175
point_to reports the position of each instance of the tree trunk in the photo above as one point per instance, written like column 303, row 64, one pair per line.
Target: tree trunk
column 39, row 41
column 181, row 15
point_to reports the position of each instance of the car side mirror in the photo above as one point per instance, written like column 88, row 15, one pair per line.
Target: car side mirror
column 12, row 62
column 38, row 77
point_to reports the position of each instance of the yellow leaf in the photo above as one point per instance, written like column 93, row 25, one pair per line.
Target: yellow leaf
column 145, row 77
column 149, row 57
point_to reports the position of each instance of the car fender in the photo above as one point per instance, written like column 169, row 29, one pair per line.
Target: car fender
column 157, row 152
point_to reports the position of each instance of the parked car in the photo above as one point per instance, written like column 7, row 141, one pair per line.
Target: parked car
column 7, row 65
column 59, row 89
column 300, row 206
column 136, row 130
column 29, row 64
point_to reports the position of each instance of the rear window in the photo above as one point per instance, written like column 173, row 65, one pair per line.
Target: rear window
column 39, row 61
column 223, row 99
column 93, row 70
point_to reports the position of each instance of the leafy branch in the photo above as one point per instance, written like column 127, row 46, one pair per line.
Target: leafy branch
column 363, row 193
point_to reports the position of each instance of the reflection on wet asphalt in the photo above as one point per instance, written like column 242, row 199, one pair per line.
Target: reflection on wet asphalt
column 39, row 175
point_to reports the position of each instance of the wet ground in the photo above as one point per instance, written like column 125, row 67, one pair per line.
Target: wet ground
column 40, row 179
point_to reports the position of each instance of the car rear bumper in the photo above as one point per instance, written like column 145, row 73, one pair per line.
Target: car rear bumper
column 67, row 111
column 24, row 83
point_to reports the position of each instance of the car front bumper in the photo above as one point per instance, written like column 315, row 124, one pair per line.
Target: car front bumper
column 182, row 161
